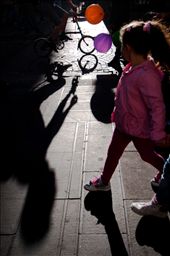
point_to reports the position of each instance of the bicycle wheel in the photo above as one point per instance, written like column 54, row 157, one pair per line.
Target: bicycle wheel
column 42, row 47
column 88, row 63
column 86, row 44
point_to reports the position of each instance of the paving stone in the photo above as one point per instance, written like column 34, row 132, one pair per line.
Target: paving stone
column 80, row 137
column 126, row 242
column 55, row 107
column 10, row 212
column 50, row 244
column 89, row 245
column 98, row 140
column 136, row 176
column 100, row 129
column 117, row 200
column 5, row 244
column 12, row 196
column 11, row 189
column 49, row 106
column 68, row 165
column 79, row 116
column 95, row 154
column 61, row 162
column 71, row 229
column 66, row 132
column 76, row 176
column 130, row 147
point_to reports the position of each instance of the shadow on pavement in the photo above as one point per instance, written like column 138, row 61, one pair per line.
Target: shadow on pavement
column 154, row 232
column 100, row 205
column 24, row 136
column 102, row 101
column 35, row 218
column 25, row 140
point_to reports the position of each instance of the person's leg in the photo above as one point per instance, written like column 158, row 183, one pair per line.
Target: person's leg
column 118, row 144
column 145, row 148
column 163, row 193
column 116, row 148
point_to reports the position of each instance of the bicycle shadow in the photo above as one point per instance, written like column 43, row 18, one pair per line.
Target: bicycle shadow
column 154, row 232
column 25, row 140
column 100, row 205
column 102, row 101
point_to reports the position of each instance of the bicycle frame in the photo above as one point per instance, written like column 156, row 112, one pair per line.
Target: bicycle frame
column 76, row 21
column 87, row 62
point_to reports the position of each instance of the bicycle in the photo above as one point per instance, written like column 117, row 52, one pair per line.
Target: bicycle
column 44, row 46
column 86, row 42
column 87, row 63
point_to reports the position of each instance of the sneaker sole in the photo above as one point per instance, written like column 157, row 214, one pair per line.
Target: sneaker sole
column 163, row 215
column 154, row 186
column 94, row 189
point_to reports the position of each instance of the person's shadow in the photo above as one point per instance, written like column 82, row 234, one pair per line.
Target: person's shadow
column 154, row 232
column 102, row 101
column 100, row 205
column 25, row 140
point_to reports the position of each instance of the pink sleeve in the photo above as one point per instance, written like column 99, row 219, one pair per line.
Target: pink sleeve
column 113, row 116
column 153, row 98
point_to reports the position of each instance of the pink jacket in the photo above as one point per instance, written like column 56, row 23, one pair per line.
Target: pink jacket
column 139, row 105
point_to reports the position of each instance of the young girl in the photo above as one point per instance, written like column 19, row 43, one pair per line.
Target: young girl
column 139, row 113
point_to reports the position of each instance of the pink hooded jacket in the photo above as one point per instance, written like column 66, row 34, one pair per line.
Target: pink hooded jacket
column 139, row 106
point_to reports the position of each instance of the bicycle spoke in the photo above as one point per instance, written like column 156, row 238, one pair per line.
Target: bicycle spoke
column 88, row 63
column 86, row 44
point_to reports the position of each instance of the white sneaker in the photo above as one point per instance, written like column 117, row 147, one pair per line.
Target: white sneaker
column 97, row 185
column 149, row 208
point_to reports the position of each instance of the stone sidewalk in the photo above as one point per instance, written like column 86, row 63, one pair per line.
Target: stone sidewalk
column 53, row 145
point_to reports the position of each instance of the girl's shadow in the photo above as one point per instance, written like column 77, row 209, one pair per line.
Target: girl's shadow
column 100, row 205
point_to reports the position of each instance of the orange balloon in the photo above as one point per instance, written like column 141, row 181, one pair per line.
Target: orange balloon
column 94, row 13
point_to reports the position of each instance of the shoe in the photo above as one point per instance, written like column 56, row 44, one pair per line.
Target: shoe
column 97, row 185
column 149, row 208
column 155, row 182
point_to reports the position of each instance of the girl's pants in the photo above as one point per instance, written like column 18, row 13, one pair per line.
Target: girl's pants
column 163, row 194
column 145, row 148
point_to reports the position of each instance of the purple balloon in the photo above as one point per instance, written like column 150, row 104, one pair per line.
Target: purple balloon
column 103, row 42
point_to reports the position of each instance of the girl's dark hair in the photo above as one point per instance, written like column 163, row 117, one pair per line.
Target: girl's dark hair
column 151, row 37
